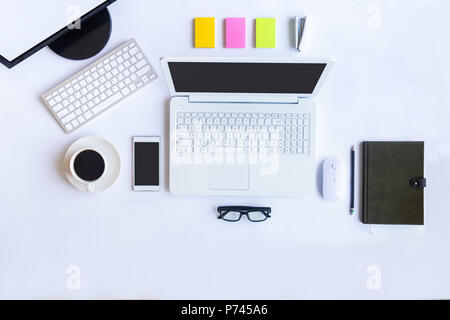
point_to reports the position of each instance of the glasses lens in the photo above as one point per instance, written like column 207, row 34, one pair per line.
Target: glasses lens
column 231, row 216
column 256, row 216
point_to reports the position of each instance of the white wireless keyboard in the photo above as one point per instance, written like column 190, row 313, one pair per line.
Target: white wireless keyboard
column 99, row 86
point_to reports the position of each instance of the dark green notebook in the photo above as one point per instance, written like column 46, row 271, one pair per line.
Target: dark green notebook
column 393, row 183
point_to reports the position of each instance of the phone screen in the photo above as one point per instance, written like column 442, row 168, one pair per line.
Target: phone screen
column 146, row 164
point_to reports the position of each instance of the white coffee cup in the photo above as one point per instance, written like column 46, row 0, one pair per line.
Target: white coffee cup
column 87, row 166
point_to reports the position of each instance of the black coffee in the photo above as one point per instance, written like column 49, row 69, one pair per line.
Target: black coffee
column 89, row 165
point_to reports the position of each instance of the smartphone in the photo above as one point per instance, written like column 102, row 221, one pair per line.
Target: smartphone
column 146, row 171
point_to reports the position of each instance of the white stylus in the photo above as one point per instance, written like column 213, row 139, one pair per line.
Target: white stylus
column 301, row 30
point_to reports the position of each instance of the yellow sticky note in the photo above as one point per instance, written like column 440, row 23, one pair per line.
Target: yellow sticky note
column 205, row 33
column 265, row 32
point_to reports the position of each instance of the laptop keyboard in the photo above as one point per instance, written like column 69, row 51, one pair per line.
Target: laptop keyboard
column 258, row 133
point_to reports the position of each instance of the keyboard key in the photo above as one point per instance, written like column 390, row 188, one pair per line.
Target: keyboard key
column 62, row 113
column 278, row 122
column 58, row 107
column 133, row 51
column 88, row 115
column 106, row 103
column 143, row 71
column 306, row 134
column 68, row 118
column 140, row 64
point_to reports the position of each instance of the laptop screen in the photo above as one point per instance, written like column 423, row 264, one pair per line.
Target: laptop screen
column 243, row 77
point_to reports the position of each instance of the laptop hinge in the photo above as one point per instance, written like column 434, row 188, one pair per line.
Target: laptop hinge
column 244, row 98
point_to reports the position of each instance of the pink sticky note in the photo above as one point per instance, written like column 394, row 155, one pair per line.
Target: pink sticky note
column 235, row 33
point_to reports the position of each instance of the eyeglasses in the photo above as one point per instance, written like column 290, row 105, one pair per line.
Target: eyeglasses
column 234, row 214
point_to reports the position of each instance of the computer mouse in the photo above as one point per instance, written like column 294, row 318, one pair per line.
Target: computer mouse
column 333, row 185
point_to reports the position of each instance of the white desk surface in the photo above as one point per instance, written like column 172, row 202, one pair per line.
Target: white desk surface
column 391, row 82
column 49, row 15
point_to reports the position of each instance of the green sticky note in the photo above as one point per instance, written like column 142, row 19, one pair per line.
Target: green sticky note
column 265, row 32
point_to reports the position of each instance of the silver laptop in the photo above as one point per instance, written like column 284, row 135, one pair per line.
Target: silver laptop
column 243, row 126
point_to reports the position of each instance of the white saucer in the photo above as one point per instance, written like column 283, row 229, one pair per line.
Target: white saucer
column 107, row 150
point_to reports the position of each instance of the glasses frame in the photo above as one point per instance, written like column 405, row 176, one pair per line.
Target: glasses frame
column 244, row 211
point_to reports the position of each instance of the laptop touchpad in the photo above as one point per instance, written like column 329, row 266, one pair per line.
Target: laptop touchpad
column 228, row 177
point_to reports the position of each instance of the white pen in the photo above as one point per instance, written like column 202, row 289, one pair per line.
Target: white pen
column 301, row 26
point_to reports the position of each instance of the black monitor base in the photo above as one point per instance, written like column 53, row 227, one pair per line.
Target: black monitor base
column 86, row 42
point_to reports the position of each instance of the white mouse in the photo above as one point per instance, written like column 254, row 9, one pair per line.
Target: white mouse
column 333, row 185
